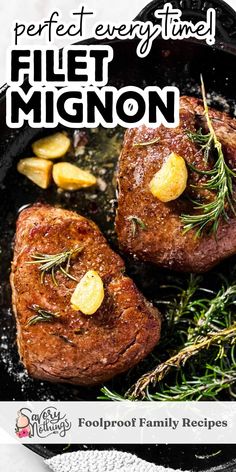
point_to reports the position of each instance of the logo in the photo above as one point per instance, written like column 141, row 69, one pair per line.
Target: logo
column 49, row 421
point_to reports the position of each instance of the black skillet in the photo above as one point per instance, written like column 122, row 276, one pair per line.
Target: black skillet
column 178, row 63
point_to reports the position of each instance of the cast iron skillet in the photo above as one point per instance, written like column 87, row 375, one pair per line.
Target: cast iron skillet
column 178, row 63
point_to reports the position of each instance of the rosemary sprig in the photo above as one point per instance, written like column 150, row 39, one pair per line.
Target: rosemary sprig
column 192, row 312
column 220, row 181
column 41, row 315
column 214, row 316
column 49, row 263
column 136, row 221
column 181, row 304
column 147, row 143
column 182, row 301
column 207, row 386
column 218, row 339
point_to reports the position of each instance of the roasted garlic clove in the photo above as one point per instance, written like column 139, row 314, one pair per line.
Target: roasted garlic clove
column 171, row 180
column 37, row 170
column 51, row 147
column 70, row 177
column 89, row 293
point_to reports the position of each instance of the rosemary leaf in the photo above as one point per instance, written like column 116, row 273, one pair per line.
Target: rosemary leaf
column 42, row 315
column 204, row 140
column 147, row 143
column 135, row 221
column 64, row 338
column 220, row 181
column 109, row 395
column 49, row 263
column 66, row 447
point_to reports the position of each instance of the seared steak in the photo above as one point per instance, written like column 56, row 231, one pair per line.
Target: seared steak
column 73, row 347
column 159, row 236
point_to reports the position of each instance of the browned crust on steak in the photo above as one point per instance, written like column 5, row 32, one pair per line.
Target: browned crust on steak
column 121, row 333
column 163, row 241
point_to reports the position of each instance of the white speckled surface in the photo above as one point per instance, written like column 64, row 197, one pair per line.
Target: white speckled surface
column 17, row 458
column 102, row 461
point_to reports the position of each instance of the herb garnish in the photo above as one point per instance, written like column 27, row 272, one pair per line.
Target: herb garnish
column 41, row 315
column 136, row 221
column 218, row 339
column 64, row 338
column 147, row 143
column 207, row 386
column 220, row 181
column 196, row 356
column 51, row 262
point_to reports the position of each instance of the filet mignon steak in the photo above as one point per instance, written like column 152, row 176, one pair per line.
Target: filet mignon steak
column 73, row 347
column 161, row 239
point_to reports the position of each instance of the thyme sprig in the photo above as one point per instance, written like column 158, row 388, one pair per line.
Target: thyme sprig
column 49, row 263
column 41, row 315
column 220, row 180
column 218, row 339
